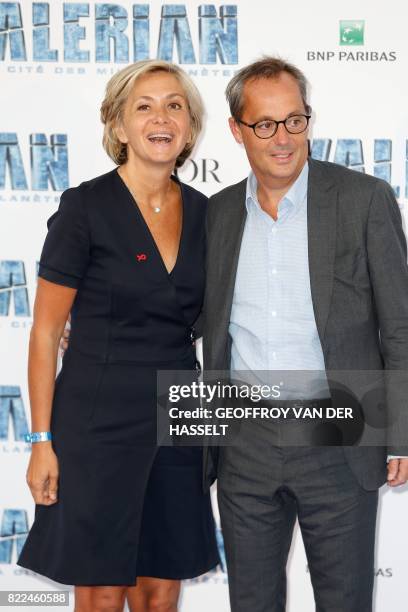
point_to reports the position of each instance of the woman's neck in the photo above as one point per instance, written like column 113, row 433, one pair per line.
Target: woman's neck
column 149, row 184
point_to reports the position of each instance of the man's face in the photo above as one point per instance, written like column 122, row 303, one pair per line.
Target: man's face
column 276, row 161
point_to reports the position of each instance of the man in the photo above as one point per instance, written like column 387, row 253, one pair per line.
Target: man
column 306, row 266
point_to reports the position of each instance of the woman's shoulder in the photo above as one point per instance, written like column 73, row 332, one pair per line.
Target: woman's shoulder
column 76, row 202
column 94, row 186
column 80, row 198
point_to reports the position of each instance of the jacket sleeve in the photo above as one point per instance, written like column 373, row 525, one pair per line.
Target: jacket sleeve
column 387, row 260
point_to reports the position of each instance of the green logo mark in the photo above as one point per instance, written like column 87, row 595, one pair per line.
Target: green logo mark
column 352, row 32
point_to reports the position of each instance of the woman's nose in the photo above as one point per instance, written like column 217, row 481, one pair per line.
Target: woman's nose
column 160, row 115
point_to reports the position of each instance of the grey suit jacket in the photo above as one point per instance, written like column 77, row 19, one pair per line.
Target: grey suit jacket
column 359, row 285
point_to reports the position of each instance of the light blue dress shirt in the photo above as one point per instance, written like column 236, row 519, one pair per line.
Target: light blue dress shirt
column 272, row 322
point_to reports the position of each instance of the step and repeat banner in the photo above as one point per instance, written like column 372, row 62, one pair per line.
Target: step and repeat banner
column 55, row 60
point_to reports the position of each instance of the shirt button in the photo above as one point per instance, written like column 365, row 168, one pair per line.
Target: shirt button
column 273, row 313
column 274, row 271
column 273, row 230
column 273, row 355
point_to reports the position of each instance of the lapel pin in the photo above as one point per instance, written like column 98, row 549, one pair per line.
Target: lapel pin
column 141, row 257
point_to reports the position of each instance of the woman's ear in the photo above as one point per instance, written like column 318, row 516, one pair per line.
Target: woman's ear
column 120, row 132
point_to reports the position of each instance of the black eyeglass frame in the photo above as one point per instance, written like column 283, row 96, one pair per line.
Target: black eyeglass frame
column 253, row 125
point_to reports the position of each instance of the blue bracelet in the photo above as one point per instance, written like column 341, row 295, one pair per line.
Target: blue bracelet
column 38, row 436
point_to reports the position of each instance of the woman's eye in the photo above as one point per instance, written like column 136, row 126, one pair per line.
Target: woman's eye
column 175, row 105
column 143, row 107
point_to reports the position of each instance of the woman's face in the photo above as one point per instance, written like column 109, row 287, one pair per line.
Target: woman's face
column 156, row 122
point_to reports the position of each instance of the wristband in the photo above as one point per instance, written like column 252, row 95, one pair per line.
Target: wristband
column 38, row 436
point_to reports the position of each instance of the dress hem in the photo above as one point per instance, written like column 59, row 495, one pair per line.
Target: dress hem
column 161, row 575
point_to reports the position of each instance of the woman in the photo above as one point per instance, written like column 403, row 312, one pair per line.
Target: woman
column 125, row 255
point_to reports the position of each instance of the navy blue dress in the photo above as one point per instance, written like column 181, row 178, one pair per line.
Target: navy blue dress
column 126, row 507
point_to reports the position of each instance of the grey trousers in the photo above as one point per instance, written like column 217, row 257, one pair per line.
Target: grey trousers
column 262, row 489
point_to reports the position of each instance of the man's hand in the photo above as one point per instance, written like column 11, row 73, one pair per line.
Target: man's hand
column 397, row 472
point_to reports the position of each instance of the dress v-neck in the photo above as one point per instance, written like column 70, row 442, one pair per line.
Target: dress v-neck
column 135, row 206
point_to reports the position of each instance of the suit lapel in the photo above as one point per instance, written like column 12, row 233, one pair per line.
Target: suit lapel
column 231, row 228
column 321, row 222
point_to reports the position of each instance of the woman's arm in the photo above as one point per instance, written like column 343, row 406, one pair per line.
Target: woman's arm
column 52, row 305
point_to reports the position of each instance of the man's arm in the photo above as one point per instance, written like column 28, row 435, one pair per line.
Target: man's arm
column 387, row 260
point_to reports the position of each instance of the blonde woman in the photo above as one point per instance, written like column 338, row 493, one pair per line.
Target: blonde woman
column 125, row 255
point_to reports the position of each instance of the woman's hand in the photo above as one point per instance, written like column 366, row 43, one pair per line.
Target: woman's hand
column 52, row 306
column 42, row 473
column 63, row 345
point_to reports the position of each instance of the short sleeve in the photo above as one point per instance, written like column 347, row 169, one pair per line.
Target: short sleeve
column 66, row 251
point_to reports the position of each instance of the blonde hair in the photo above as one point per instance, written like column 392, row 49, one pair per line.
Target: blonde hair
column 117, row 92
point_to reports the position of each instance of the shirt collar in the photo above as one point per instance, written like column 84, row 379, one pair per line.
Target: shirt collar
column 293, row 199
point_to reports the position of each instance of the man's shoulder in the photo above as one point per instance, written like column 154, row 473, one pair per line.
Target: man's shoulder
column 229, row 193
column 358, row 193
column 343, row 176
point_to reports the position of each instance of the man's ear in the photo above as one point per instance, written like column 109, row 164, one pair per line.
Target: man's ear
column 235, row 129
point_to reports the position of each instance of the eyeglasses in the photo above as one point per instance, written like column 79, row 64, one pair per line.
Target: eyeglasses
column 295, row 124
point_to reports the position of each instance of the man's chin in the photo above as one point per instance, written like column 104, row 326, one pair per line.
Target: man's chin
column 289, row 170
column 283, row 172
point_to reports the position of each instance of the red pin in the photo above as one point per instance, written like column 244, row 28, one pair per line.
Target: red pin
column 141, row 257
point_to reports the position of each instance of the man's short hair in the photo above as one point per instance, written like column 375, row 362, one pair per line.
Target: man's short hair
column 266, row 68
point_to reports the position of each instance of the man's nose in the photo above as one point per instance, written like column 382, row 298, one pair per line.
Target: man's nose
column 281, row 135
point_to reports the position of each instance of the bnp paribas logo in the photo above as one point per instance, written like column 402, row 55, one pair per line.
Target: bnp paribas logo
column 352, row 32
column 351, row 47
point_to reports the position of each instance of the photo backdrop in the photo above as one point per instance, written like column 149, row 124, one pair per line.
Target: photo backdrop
column 55, row 60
